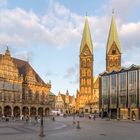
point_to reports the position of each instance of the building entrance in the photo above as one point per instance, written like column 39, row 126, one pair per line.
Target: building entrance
column 16, row 111
column 25, row 111
column 7, row 111
column 33, row 112
column 113, row 113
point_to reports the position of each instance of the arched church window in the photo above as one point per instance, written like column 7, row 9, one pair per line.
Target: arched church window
column 82, row 90
column 89, row 90
column 88, row 63
column 83, row 63
column 88, row 72
column 85, row 89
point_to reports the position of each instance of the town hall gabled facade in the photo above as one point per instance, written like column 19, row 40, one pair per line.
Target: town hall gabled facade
column 22, row 91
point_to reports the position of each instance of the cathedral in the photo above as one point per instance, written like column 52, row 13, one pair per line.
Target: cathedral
column 113, row 49
column 87, row 98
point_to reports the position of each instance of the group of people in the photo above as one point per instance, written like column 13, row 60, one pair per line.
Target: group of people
column 25, row 118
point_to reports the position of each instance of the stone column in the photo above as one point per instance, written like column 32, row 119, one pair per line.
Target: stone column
column 2, row 96
column 37, row 111
column 43, row 111
column 20, row 110
column 2, row 107
column 12, row 109
column 29, row 111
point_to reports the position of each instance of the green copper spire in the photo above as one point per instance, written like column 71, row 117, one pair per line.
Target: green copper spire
column 113, row 35
column 86, row 39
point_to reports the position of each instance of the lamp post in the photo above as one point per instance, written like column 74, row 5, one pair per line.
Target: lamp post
column 42, row 125
column 74, row 115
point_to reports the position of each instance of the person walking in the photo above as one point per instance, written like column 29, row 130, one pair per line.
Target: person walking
column 94, row 117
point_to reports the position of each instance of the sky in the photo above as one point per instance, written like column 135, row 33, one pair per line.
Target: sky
column 48, row 33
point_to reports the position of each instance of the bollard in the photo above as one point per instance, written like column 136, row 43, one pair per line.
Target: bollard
column 78, row 125
column 118, row 119
column 53, row 118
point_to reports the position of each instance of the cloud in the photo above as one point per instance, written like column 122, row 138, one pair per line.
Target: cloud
column 129, row 34
column 22, row 28
column 123, row 8
column 3, row 3
column 71, row 71
column 24, row 55
column 58, row 28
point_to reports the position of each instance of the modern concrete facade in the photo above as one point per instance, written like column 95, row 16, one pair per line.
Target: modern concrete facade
column 120, row 93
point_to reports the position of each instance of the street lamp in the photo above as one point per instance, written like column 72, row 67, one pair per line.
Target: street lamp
column 74, row 116
column 42, row 125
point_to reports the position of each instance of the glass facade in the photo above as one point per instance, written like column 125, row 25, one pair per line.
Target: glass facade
column 105, row 91
column 132, row 88
column 113, row 91
column 122, row 89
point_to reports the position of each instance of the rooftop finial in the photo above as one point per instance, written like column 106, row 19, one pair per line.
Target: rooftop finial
column 113, row 11
column 86, row 14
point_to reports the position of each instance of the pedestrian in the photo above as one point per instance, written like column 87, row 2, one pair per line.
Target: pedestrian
column 89, row 116
column 94, row 116
column 36, row 119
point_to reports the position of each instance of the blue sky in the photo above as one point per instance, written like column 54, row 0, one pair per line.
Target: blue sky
column 48, row 33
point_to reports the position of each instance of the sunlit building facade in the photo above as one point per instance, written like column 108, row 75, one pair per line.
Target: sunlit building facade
column 22, row 91
column 65, row 103
column 87, row 97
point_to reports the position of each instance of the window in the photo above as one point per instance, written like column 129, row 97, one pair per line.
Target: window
column 113, row 90
column 86, row 110
column 0, row 96
column 132, row 88
column 16, row 96
column 1, row 85
column 104, row 91
column 113, row 52
column 122, row 89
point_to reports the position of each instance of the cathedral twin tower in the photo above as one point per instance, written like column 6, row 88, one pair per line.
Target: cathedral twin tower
column 113, row 62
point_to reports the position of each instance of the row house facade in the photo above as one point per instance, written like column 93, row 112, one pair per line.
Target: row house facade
column 22, row 91
column 65, row 103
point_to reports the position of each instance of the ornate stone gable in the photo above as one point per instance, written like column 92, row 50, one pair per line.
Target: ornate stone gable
column 30, row 77
column 86, row 51
column 113, row 58
column 8, row 69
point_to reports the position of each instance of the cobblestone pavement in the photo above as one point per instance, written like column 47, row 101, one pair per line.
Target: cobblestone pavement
column 64, row 129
